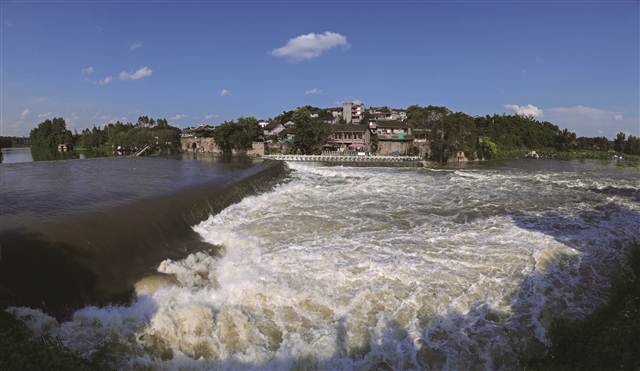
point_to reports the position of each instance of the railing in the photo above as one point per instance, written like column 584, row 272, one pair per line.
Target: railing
column 340, row 153
column 342, row 158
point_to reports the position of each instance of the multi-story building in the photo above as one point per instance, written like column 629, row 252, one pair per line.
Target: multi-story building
column 352, row 112
column 349, row 136
column 394, row 137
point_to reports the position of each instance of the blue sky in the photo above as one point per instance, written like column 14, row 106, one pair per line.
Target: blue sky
column 573, row 63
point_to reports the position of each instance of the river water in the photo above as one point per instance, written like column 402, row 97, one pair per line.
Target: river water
column 370, row 267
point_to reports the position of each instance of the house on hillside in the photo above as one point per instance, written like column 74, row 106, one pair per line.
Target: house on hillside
column 394, row 137
column 273, row 128
column 350, row 137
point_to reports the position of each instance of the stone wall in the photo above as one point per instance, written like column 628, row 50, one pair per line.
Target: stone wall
column 208, row 145
column 388, row 147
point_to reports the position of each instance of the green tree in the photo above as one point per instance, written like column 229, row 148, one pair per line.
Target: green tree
column 50, row 133
column 310, row 134
column 488, row 149
column 619, row 142
column 565, row 140
column 238, row 135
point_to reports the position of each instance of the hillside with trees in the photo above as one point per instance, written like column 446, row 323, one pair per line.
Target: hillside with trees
column 505, row 136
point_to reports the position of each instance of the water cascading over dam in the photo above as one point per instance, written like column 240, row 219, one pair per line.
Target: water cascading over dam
column 364, row 268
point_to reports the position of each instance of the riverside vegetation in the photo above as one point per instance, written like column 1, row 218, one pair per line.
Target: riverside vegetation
column 480, row 137
column 46, row 137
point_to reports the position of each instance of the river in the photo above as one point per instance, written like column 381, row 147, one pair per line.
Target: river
column 343, row 267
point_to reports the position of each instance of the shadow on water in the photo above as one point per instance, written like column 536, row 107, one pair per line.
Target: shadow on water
column 96, row 257
column 36, row 272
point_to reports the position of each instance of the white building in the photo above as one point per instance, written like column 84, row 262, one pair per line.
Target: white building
column 352, row 112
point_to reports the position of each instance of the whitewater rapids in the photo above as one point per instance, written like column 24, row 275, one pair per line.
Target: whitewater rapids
column 368, row 268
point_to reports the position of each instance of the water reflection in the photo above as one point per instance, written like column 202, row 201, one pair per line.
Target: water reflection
column 30, row 154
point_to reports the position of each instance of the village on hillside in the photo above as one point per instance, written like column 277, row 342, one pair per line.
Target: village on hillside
column 355, row 130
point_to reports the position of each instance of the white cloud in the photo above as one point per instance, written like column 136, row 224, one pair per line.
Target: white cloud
column 314, row 91
column 528, row 110
column 139, row 74
column 591, row 121
column 211, row 116
column 310, row 46
column 87, row 71
column 179, row 116
column 135, row 46
column 44, row 115
column 24, row 114
column 225, row 93
column 105, row 81
column 588, row 112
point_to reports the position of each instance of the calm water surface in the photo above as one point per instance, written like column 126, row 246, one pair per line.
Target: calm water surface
column 17, row 154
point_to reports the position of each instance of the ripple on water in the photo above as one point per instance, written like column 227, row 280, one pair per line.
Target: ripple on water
column 376, row 267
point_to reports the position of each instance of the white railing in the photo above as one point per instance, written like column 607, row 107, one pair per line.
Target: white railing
column 333, row 158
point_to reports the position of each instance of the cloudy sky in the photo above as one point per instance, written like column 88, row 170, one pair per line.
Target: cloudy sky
column 573, row 63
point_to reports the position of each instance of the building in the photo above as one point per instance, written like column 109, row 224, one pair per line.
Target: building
column 273, row 128
column 394, row 137
column 197, row 144
column 352, row 112
column 387, row 114
column 350, row 137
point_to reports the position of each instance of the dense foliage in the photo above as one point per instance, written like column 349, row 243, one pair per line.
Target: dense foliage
column 629, row 145
column 6, row 142
column 488, row 136
column 50, row 134
column 144, row 132
column 237, row 135
column 310, row 133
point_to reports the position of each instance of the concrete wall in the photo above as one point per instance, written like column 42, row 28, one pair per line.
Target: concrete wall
column 388, row 147
column 208, row 145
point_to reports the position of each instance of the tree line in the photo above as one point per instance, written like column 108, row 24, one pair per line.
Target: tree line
column 126, row 136
column 488, row 136
column 447, row 132
column 6, row 142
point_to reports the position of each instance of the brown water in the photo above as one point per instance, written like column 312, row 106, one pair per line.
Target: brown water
column 355, row 267
column 83, row 231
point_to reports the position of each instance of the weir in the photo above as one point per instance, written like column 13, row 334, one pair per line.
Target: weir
column 346, row 159
column 95, row 257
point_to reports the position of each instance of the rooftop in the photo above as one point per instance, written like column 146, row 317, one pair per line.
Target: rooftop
column 391, row 124
column 349, row 128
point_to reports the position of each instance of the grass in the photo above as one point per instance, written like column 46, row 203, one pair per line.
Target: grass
column 608, row 339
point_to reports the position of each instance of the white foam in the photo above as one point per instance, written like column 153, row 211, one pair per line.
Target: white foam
column 347, row 268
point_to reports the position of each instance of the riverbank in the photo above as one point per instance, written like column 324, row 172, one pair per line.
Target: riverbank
column 551, row 153
column 608, row 338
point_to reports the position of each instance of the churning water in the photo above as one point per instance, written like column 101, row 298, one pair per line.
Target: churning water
column 361, row 268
